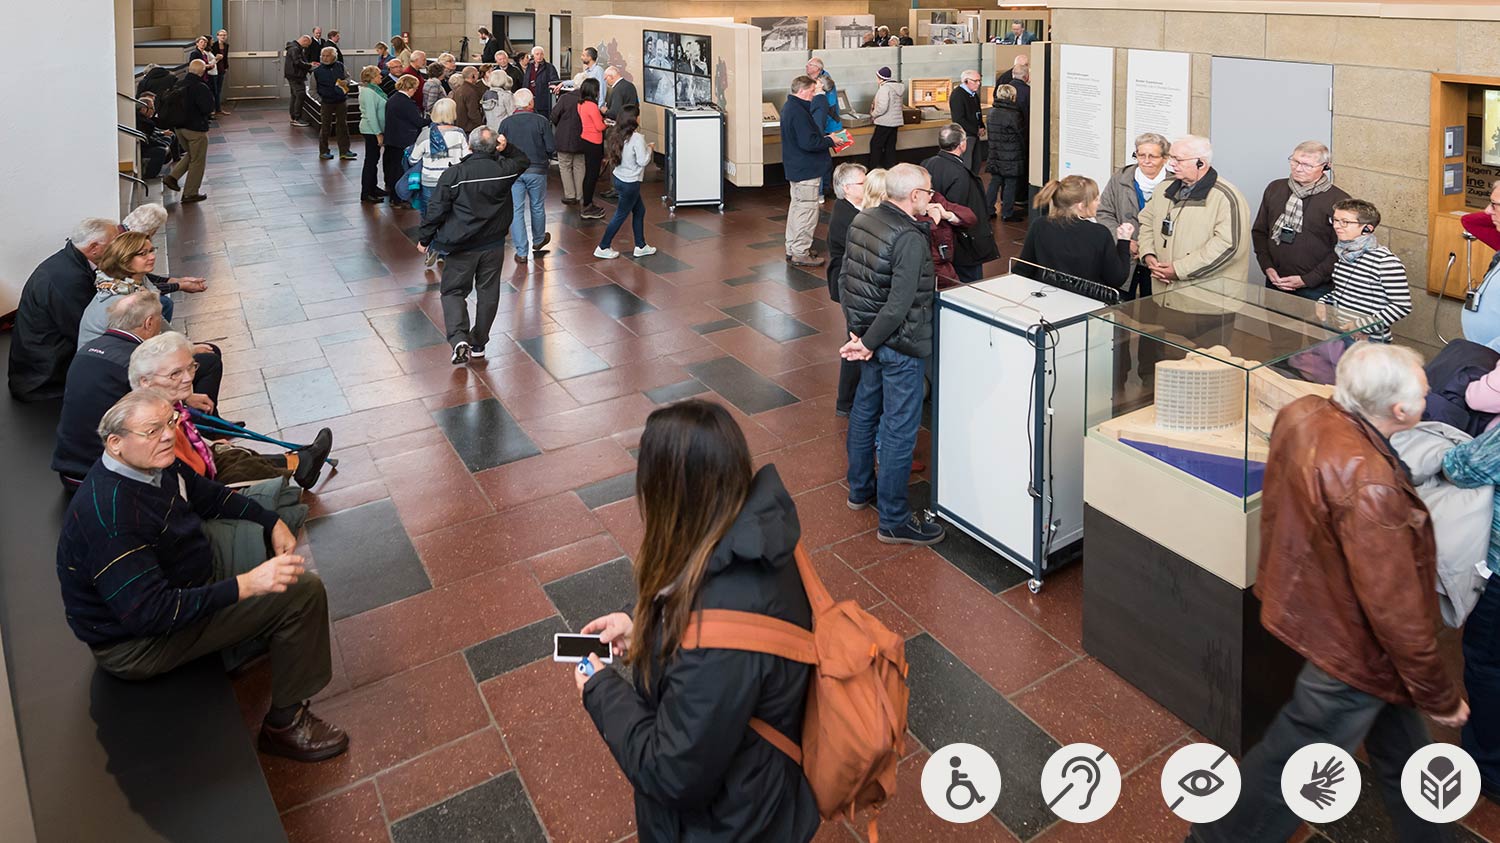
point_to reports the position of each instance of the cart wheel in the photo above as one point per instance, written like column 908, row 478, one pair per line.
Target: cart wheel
column 1034, row 586
column 721, row 207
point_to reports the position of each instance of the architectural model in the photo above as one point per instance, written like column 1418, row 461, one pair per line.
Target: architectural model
column 1200, row 393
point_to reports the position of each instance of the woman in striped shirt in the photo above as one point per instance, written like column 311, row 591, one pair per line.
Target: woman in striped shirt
column 1368, row 278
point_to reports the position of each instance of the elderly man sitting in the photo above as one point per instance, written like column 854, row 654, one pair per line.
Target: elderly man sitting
column 52, row 302
column 142, row 588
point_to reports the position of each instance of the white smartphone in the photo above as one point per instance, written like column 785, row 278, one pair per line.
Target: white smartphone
column 567, row 647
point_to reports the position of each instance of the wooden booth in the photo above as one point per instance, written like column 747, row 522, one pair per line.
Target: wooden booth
column 1464, row 161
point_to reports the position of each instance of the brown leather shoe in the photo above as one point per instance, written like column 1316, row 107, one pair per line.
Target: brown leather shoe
column 307, row 739
column 807, row 260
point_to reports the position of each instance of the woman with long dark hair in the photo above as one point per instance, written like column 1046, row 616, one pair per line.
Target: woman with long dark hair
column 627, row 151
column 592, row 121
column 718, row 536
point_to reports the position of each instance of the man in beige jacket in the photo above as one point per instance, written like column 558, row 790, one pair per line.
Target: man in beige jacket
column 1198, row 227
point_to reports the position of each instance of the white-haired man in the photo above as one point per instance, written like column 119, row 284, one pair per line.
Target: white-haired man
column 1347, row 561
column 886, row 290
column 1198, row 227
column 1292, row 233
column 541, row 79
column 51, row 305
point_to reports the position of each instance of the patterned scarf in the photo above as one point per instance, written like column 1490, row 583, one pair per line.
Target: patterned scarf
column 195, row 439
column 1350, row 251
column 1292, row 216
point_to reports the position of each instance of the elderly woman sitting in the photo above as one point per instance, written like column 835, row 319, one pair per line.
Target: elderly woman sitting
column 165, row 363
column 125, row 267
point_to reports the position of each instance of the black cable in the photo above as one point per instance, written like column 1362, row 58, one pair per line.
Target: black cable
column 1049, row 335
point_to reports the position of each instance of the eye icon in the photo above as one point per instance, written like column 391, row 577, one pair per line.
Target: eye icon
column 1201, row 783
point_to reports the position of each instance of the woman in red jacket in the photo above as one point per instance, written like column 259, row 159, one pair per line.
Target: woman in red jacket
column 593, row 145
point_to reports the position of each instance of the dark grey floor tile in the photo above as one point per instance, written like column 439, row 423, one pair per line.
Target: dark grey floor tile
column 497, row 811
column 661, row 263
column 720, row 325
column 484, row 434
column 261, row 130
column 951, row 704
column 741, row 385
column 326, row 222
column 778, row 243
column 616, row 301
column 365, row 558
column 407, row 330
column 586, row 595
column 514, row 649
column 225, row 158
column 360, row 267
column 308, row 396
column 687, row 230
column 742, row 280
column 562, row 355
column 985, row 566
column 605, row 492
column 676, row 391
column 793, row 276
column 770, row 321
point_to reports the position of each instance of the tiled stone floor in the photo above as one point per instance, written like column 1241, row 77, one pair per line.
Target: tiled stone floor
column 480, row 509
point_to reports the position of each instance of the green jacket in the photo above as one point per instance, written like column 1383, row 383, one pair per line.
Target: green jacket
column 371, row 110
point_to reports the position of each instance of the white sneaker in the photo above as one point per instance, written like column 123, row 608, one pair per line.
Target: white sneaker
column 461, row 353
column 607, row 254
column 642, row 251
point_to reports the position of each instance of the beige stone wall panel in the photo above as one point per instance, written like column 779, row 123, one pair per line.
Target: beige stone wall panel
column 1373, row 42
column 1109, row 28
column 1399, row 149
column 1217, row 34
column 1381, row 93
column 1402, row 201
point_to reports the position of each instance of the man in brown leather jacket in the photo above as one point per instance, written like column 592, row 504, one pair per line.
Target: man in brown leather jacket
column 1346, row 578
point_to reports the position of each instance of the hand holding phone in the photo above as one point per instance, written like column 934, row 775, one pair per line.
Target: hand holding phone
column 567, row 647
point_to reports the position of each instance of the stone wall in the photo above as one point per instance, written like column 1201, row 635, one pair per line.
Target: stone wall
column 187, row 18
column 1381, row 88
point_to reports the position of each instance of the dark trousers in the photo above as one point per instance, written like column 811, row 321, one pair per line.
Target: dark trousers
column 465, row 271
column 889, row 399
column 294, row 623
column 1325, row 710
column 298, row 88
column 848, row 384
column 1003, row 189
column 970, row 272
column 210, row 374
column 216, row 82
column 883, row 147
column 593, row 158
column 393, row 167
column 629, row 203
column 1481, row 736
column 333, row 118
column 971, row 153
column 372, row 164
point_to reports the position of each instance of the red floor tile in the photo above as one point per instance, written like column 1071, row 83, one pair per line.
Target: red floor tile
column 1086, row 702
column 807, row 419
column 968, row 620
column 1140, row 816
column 545, row 401
column 842, row 582
column 585, row 424
column 623, row 520
column 388, row 723
column 826, row 517
column 353, row 816
column 442, row 773
column 758, row 351
column 896, row 620
column 907, row 817
column 347, row 497
column 367, row 426
column 425, row 626
column 1058, row 608
column 811, row 464
column 557, row 471
column 579, row 556
column 411, row 387
column 865, row 549
column 432, row 489
column 470, row 548
column 575, row 784
column 625, row 379
column 816, row 380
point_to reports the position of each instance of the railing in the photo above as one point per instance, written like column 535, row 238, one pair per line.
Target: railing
column 140, row 141
column 129, row 98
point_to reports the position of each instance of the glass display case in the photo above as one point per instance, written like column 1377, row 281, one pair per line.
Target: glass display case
column 1190, row 380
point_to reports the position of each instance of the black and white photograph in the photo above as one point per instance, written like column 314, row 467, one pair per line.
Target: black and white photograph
column 949, row 33
column 660, row 88
column 781, row 35
column 693, row 54
column 693, row 91
column 847, row 32
column 659, row 48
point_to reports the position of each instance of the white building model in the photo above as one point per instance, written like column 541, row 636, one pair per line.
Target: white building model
column 1200, row 393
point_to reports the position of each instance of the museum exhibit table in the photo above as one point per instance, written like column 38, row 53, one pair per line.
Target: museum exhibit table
column 1181, row 393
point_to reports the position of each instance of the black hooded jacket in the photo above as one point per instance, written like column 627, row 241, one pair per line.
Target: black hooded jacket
column 470, row 209
column 699, row 772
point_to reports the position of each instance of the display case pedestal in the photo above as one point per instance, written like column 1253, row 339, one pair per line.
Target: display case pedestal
column 1188, row 639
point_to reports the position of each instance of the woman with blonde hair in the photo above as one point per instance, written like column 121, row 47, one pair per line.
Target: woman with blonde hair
column 1068, row 239
column 498, row 101
column 718, row 535
column 874, row 189
column 124, row 268
column 372, row 102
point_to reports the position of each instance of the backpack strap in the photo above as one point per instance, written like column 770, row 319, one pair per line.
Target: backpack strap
column 727, row 629
column 817, row 593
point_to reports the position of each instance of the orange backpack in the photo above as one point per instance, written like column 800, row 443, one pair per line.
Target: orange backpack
column 854, row 728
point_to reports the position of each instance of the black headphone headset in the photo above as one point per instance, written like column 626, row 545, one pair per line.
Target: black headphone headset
column 1367, row 229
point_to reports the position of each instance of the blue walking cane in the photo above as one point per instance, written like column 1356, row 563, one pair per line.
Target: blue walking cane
column 214, row 424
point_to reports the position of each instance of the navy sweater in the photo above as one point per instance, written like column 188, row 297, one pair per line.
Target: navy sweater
column 133, row 560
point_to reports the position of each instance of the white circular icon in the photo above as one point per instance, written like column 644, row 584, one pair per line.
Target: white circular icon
column 1320, row 783
column 1200, row 783
column 1440, row 783
column 1080, row 783
column 961, row 783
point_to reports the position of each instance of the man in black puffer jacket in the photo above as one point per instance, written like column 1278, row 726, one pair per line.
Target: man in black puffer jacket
column 466, row 220
column 887, row 290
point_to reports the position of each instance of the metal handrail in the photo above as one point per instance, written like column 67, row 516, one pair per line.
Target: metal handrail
column 128, row 177
column 130, row 98
column 140, row 137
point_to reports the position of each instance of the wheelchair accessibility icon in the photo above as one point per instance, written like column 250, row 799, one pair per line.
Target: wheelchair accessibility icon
column 960, row 783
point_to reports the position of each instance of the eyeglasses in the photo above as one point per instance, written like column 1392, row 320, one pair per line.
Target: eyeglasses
column 156, row 430
column 187, row 371
column 1188, row 159
column 1492, row 206
column 1338, row 223
column 925, row 190
column 1303, row 165
column 1148, row 157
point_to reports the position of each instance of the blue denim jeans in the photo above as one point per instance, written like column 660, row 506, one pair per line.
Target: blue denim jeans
column 889, row 398
column 628, row 202
column 1481, row 736
column 534, row 187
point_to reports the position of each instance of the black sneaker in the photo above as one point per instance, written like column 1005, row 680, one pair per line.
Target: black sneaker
column 461, row 352
column 476, row 351
column 347, row 156
column 311, row 458
column 915, row 531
